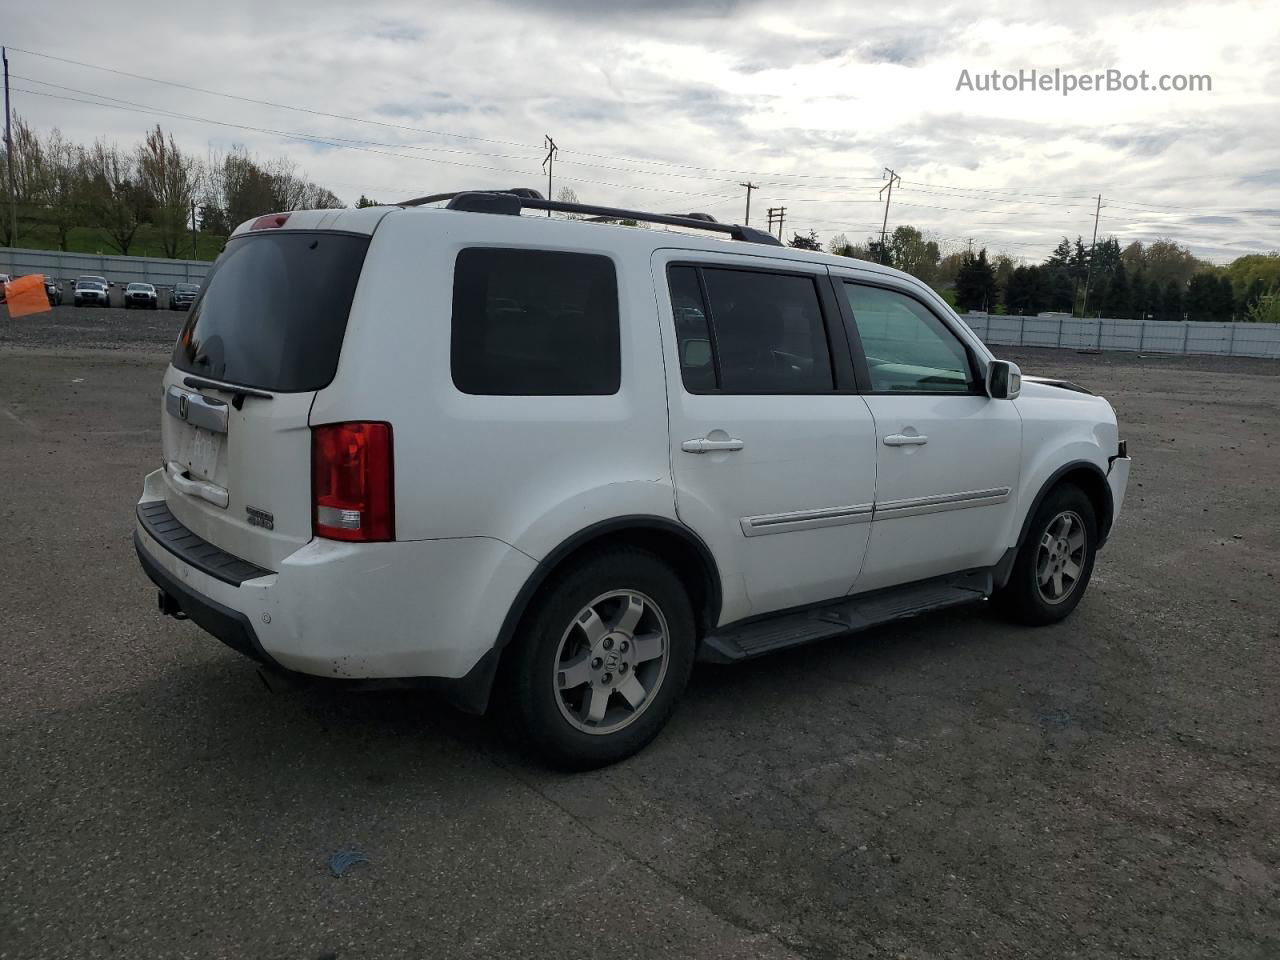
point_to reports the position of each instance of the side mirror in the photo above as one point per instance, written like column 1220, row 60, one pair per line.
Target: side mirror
column 1004, row 380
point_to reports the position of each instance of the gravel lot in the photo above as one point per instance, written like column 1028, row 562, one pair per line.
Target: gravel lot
column 954, row 787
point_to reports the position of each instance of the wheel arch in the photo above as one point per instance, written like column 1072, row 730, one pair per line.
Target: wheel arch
column 1086, row 475
column 673, row 542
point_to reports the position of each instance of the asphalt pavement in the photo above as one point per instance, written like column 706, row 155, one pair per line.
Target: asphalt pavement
column 952, row 787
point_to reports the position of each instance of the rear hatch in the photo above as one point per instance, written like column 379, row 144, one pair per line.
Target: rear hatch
column 265, row 334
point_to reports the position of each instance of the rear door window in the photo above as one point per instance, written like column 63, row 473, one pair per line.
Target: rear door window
column 749, row 331
column 274, row 311
column 535, row 323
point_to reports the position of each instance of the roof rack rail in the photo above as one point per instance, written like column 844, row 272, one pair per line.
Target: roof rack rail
column 512, row 201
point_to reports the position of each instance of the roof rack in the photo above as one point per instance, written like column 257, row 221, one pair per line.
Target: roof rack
column 511, row 202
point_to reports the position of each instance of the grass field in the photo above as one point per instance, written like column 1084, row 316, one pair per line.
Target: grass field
column 146, row 243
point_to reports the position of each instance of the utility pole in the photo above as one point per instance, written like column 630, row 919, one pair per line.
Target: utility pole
column 1093, row 254
column 549, row 162
column 746, row 221
column 193, row 229
column 884, row 227
column 971, row 248
column 8, row 152
column 776, row 215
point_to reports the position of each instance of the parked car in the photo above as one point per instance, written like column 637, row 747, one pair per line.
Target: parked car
column 106, row 284
column 53, row 291
column 591, row 454
column 4, row 287
column 183, row 296
column 141, row 295
column 90, row 292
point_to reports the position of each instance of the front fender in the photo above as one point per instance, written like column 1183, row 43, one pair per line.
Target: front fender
column 1061, row 431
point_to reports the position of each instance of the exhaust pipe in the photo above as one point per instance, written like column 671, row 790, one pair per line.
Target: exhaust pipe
column 169, row 606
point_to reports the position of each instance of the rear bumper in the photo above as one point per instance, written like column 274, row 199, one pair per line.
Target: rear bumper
column 425, row 612
column 230, row 626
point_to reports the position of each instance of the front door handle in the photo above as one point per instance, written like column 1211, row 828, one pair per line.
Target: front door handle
column 703, row 445
column 904, row 440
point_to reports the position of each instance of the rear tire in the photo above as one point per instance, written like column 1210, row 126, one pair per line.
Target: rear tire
column 1054, row 563
column 602, row 658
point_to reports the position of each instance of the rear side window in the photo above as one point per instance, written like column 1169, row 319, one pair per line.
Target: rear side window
column 274, row 311
column 748, row 331
column 534, row 323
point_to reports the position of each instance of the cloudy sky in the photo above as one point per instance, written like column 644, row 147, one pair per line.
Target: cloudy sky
column 668, row 105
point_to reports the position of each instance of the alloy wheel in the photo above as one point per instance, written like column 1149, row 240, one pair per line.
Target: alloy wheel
column 1060, row 559
column 611, row 662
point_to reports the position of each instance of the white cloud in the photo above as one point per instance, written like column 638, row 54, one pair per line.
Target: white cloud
column 812, row 101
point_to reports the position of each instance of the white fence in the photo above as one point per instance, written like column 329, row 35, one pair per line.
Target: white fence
column 1143, row 336
column 67, row 266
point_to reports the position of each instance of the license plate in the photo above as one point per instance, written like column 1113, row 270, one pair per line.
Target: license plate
column 202, row 453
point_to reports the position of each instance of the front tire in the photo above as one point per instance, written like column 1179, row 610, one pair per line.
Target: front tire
column 1055, row 561
column 602, row 658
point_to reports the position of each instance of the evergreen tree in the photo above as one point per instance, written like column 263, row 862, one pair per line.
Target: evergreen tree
column 976, row 283
column 805, row 242
column 1202, row 292
column 1171, row 302
column 1224, row 301
column 1023, row 292
column 1138, row 305
column 1115, row 297
column 1253, row 293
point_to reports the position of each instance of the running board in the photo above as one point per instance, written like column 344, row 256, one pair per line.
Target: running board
column 755, row 638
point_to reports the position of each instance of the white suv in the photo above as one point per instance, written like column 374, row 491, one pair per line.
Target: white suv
column 470, row 449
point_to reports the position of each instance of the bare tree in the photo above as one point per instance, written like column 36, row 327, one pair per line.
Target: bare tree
column 28, row 176
column 169, row 177
column 66, row 195
column 115, row 196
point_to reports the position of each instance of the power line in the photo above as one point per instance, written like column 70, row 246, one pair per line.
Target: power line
column 438, row 133
column 366, row 146
column 813, row 181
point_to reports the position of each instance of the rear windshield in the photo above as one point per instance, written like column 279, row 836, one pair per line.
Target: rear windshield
column 273, row 311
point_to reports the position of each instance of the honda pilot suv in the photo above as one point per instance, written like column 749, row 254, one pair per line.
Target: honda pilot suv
column 581, row 456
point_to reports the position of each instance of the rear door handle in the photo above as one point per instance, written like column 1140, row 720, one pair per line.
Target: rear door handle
column 703, row 445
column 904, row 440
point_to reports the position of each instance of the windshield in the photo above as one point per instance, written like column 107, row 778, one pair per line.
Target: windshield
column 274, row 310
column 141, row 287
column 186, row 288
column 88, row 285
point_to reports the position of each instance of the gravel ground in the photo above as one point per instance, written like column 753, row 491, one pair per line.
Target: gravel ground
column 953, row 787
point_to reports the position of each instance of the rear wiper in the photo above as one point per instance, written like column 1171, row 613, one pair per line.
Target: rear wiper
column 239, row 392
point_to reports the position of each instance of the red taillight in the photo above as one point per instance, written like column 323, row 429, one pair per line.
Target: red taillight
column 270, row 220
column 352, row 482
